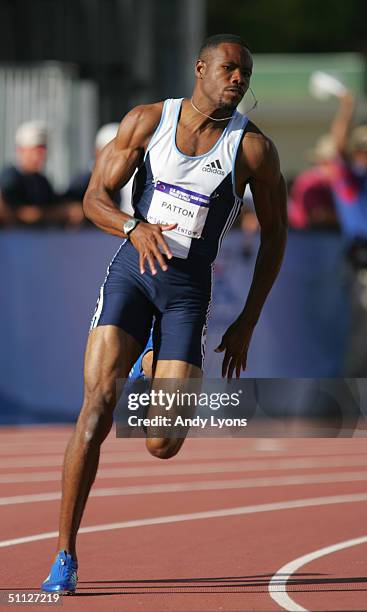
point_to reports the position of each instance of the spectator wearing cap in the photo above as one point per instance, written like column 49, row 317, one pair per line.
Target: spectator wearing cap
column 27, row 196
column 78, row 186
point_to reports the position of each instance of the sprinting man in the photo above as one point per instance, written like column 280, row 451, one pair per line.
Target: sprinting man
column 194, row 159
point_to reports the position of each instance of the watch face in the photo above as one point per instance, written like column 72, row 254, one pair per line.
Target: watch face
column 129, row 225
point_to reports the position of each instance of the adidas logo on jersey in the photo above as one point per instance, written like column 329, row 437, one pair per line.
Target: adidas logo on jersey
column 214, row 167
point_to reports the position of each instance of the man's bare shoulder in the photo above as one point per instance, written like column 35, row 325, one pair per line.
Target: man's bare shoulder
column 138, row 126
column 260, row 152
column 149, row 114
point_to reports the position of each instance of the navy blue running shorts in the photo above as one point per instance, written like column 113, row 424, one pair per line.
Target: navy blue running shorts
column 178, row 301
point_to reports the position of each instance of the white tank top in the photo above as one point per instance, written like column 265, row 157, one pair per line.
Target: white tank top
column 198, row 193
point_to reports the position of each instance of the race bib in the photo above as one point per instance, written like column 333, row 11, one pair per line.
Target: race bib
column 172, row 204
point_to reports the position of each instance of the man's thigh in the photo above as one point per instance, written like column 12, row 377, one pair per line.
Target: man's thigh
column 179, row 339
column 109, row 356
column 125, row 298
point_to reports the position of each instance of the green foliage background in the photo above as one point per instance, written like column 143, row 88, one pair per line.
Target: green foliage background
column 292, row 26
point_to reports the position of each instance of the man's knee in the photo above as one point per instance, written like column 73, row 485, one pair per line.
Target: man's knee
column 163, row 448
column 96, row 416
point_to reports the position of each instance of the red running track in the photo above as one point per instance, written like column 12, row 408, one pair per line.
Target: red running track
column 228, row 525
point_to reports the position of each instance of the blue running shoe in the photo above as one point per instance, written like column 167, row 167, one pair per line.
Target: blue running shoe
column 136, row 372
column 63, row 575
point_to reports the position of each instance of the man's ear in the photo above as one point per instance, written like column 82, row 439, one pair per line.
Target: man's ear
column 200, row 68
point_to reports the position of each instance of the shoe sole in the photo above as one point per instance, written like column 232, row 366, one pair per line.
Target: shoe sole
column 59, row 592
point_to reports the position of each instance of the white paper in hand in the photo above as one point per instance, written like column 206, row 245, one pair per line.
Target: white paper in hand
column 322, row 85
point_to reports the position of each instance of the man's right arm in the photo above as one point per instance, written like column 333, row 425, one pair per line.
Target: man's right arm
column 341, row 123
column 114, row 167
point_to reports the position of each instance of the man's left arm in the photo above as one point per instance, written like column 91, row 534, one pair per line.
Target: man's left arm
column 270, row 200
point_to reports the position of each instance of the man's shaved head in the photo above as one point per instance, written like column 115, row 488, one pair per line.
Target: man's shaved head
column 213, row 41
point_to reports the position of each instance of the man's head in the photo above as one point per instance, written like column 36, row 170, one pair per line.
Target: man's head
column 31, row 143
column 223, row 70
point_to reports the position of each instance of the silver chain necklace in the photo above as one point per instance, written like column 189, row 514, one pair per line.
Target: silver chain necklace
column 208, row 116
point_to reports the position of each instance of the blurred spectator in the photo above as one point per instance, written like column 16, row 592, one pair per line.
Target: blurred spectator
column 311, row 200
column 78, row 186
column 334, row 193
column 346, row 173
column 27, row 196
column 350, row 195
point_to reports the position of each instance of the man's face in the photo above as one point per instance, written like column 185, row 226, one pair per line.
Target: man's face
column 225, row 73
column 32, row 159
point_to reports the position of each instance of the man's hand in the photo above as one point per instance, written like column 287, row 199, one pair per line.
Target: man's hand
column 235, row 343
column 145, row 238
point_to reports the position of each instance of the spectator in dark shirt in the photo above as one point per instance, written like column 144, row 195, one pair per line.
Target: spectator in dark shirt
column 27, row 196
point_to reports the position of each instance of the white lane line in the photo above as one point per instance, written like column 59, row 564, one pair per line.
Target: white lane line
column 193, row 516
column 56, row 459
column 45, row 448
column 113, row 457
column 137, row 446
column 176, row 469
column 205, row 485
column 142, row 454
column 51, row 456
column 278, row 583
column 35, row 448
column 23, row 450
column 246, row 446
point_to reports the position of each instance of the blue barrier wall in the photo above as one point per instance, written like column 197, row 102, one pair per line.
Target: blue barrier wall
column 50, row 282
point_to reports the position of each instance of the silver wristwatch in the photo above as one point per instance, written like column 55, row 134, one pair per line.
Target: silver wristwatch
column 130, row 225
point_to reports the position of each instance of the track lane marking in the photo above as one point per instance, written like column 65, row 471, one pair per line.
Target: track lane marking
column 278, row 583
column 56, row 459
column 44, row 457
column 176, row 469
column 204, row 485
column 39, row 447
column 194, row 516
